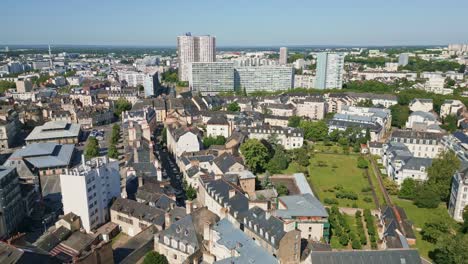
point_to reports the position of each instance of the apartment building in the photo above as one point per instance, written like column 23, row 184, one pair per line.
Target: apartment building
column 288, row 137
column 420, row 144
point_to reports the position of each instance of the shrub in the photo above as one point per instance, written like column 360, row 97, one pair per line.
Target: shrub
column 366, row 189
column 367, row 199
column 362, row 163
column 330, row 201
column 346, row 195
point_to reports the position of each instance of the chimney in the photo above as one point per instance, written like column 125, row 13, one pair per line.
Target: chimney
column 140, row 181
column 167, row 220
column 188, row 207
column 232, row 192
column 218, row 176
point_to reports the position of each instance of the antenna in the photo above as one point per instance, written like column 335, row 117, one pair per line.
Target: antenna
column 50, row 58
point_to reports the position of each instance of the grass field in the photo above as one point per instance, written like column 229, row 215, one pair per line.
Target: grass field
column 419, row 216
column 327, row 171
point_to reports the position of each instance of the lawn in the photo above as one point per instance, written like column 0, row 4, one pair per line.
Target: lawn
column 327, row 171
column 419, row 216
column 334, row 148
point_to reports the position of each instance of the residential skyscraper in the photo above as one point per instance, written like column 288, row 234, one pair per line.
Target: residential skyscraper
column 194, row 49
column 151, row 85
column 263, row 78
column 88, row 189
column 329, row 70
column 403, row 59
column 283, row 57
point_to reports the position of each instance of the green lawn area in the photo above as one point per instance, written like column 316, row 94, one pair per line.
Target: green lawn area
column 337, row 170
column 320, row 147
column 419, row 216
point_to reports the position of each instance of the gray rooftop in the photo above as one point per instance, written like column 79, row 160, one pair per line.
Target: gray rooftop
column 45, row 155
column 235, row 240
column 300, row 205
column 5, row 171
column 54, row 130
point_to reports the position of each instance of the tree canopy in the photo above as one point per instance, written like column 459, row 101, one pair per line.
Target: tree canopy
column 121, row 105
column 233, row 107
column 92, row 148
column 441, row 172
column 255, row 154
column 314, row 130
column 154, row 257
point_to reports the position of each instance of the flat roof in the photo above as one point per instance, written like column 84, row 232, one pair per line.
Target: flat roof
column 53, row 130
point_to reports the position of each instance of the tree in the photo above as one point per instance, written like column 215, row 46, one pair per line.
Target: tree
column 190, row 192
column 426, row 197
column 441, row 172
column 465, row 220
column 400, row 114
column 92, row 148
column 164, row 136
column 233, row 107
column 208, row 141
column 434, row 230
column 451, row 250
column 255, row 155
column 154, row 257
column 115, row 134
column 450, row 123
column 408, row 189
column 294, row 121
column 279, row 161
column 301, row 156
column 113, row 152
column 362, row 163
column 365, row 103
column 282, row 189
column 390, row 186
column 314, row 130
column 121, row 105
column 4, row 85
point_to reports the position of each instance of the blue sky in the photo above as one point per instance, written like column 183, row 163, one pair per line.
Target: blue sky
column 234, row 22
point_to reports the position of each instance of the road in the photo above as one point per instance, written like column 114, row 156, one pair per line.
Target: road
column 170, row 170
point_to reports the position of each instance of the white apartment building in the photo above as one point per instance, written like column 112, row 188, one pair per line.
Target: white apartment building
column 304, row 81
column 421, row 104
column 194, row 49
column 133, row 79
column 263, row 78
column 288, row 137
column 420, row 144
column 330, row 70
column 88, row 189
column 210, row 78
column 459, row 195
column 451, row 107
column 283, row 56
column 218, row 126
column 386, row 76
column 311, row 107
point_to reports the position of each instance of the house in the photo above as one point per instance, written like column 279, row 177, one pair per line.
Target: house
column 398, row 229
column 306, row 213
column 183, row 139
column 59, row 132
column 10, row 127
column 313, row 107
column 133, row 217
column 420, row 144
column 277, row 109
column 421, row 104
column 451, row 107
column 183, row 240
column 288, row 137
column 226, row 163
column 218, row 126
column 423, row 121
column 459, row 194
column 273, row 120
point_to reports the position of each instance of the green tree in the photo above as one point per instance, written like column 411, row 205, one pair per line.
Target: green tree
column 121, row 105
column 282, row 189
column 115, row 134
column 301, row 156
column 92, row 148
column 279, row 162
column 433, row 230
column 294, row 121
column 408, row 189
column 400, row 114
column 190, row 192
column 465, row 220
column 5, row 85
column 390, row 186
column 362, row 163
column 426, row 197
column 209, row 141
column 450, row 123
column 154, row 257
column 314, row 130
column 233, row 107
column 441, row 172
column 164, row 136
column 255, row 155
column 113, row 152
column 451, row 250
column 365, row 103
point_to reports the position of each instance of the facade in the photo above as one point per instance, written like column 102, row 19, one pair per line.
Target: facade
column 288, row 137
column 403, row 59
column 420, row 144
column 311, row 107
column 459, row 195
column 133, row 217
column 210, row 78
column 151, row 84
column 23, row 86
column 88, row 189
column 11, row 203
column 423, row 121
column 283, row 56
column 420, row 104
column 55, row 131
column 304, row 81
column 10, row 127
column 263, row 78
column 218, row 126
column 330, row 70
column 133, row 79
column 182, row 139
column 194, row 49
column 451, row 107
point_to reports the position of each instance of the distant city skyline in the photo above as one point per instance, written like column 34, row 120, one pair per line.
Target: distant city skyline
column 239, row 23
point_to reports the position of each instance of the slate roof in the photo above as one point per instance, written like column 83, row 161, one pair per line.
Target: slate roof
column 225, row 161
column 247, row 250
column 139, row 210
column 268, row 223
column 426, row 115
column 50, row 240
column 300, row 205
column 5, row 171
column 416, row 134
column 407, row 256
column 218, row 120
column 46, row 155
column 180, row 131
column 54, row 130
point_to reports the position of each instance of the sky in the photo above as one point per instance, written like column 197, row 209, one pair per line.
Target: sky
column 234, row 22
